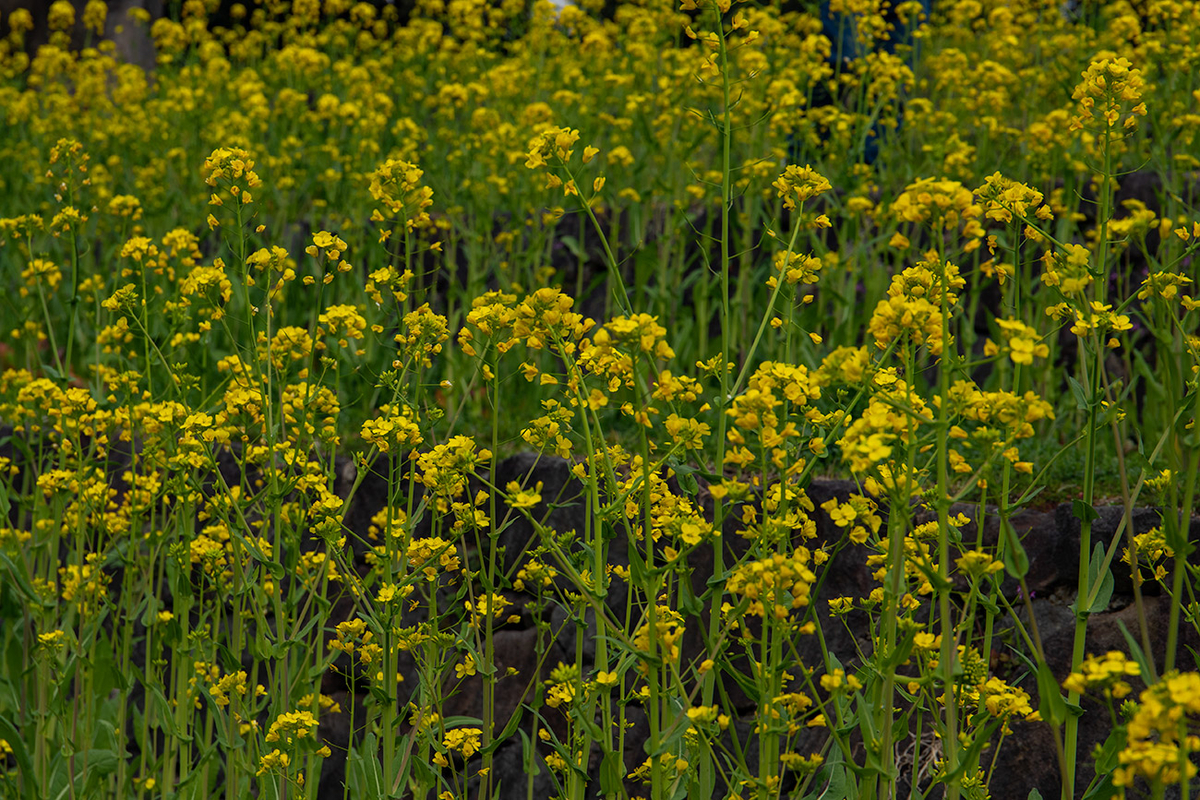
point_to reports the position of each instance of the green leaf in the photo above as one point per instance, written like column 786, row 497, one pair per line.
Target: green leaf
column 5, row 504
column 509, row 729
column 866, row 719
column 1136, row 652
column 460, row 720
column 1081, row 399
column 1083, row 512
column 9, row 733
column 1107, row 758
column 1147, row 375
column 1034, row 794
column 104, row 670
column 1104, row 593
column 529, row 755
column 1051, row 704
column 612, row 774
column 686, row 476
column 100, row 764
column 1016, row 560
column 900, row 652
column 832, row 781
column 166, row 716
column 572, row 245
column 363, row 774
column 970, row 754
column 689, row 605
column 14, row 661
column 1103, row 790
column 21, row 577
column 637, row 568
column 96, row 764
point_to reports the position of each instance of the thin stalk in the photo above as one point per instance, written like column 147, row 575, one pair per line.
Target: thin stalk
column 1085, row 550
column 1182, row 547
column 949, row 637
column 708, row 687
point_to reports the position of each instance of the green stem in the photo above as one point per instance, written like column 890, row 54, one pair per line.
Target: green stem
column 949, row 638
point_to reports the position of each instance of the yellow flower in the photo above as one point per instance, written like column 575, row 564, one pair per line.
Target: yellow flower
column 465, row 668
column 519, row 498
column 1107, row 673
column 1162, row 726
column 292, row 725
column 274, row 761
column 927, row 641
column 800, row 184
column 839, row 681
column 1110, row 87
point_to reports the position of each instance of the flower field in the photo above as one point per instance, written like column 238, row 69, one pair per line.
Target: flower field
column 430, row 400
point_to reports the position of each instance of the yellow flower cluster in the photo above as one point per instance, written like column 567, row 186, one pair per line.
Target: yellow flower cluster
column 613, row 349
column 1110, row 87
column 292, row 725
column 446, row 468
column 1095, row 318
column 913, row 309
column 1022, row 341
column 1151, row 548
column 773, row 388
column 1108, row 673
column 1161, row 731
column 396, row 184
column 549, row 432
column 776, row 585
column 394, row 429
column 1004, row 702
column 466, row 741
column 800, row 184
column 354, row 636
column 1069, row 271
column 233, row 168
column 432, row 556
column 942, row 205
column 857, row 514
column 1004, row 199
column 669, row 627
column 869, row 440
